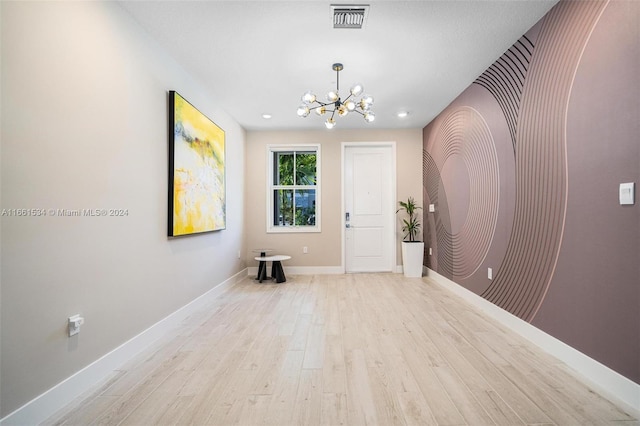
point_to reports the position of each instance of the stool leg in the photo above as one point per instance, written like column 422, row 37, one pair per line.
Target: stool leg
column 262, row 265
column 277, row 272
column 262, row 271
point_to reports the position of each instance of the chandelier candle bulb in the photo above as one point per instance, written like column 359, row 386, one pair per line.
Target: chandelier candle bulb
column 303, row 110
column 308, row 98
column 369, row 116
column 330, row 123
column 335, row 104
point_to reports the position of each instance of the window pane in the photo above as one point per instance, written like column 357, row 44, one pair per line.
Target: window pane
column 294, row 186
column 305, row 168
column 305, row 207
column 283, row 207
column 283, row 168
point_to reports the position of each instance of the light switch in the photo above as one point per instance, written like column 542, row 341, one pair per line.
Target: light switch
column 627, row 193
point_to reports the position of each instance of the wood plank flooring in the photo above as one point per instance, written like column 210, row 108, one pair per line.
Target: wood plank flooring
column 341, row 350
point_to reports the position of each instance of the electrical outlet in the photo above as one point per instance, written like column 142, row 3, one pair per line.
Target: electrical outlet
column 305, row 249
column 74, row 324
column 490, row 273
column 238, row 254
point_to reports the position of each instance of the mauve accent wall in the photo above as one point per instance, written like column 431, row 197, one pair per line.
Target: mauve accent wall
column 524, row 168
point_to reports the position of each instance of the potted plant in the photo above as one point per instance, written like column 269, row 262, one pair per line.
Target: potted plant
column 412, row 250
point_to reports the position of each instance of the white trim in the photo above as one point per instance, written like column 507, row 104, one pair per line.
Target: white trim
column 303, row 270
column 271, row 148
column 394, row 185
column 400, row 270
column 47, row 404
column 604, row 380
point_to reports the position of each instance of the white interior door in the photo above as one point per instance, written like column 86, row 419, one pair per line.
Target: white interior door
column 369, row 190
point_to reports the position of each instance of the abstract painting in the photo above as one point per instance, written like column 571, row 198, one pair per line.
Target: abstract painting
column 196, row 170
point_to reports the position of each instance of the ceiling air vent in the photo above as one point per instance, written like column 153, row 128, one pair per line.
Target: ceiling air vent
column 349, row 16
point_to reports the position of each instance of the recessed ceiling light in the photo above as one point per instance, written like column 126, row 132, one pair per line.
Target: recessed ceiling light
column 403, row 114
column 266, row 116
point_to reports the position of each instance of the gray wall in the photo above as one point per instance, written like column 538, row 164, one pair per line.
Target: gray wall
column 84, row 126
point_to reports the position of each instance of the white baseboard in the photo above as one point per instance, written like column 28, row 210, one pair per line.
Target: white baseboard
column 601, row 378
column 303, row 270
column 320, row 270
column 47, row 404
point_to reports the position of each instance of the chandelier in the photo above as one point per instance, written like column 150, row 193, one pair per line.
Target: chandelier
column 336, row 105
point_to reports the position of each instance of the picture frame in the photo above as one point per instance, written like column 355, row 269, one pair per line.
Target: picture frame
column 197, row 174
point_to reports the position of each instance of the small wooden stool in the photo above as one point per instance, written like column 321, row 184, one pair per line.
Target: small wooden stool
column 277, row 273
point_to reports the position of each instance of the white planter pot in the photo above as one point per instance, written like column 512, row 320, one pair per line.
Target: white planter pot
column 412, row 255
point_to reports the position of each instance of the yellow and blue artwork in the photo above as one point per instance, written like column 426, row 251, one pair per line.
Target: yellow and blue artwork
column 196, row 171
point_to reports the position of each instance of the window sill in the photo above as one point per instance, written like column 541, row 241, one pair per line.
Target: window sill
column 293, row 229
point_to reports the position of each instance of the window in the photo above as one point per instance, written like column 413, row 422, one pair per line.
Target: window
column 294, row 188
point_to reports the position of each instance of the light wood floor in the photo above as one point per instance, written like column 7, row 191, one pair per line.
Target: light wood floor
column 342, row 350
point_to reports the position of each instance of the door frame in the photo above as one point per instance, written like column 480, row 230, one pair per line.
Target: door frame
column 392, row 207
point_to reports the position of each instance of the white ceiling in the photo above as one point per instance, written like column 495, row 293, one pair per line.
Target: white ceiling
column 259, row 57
